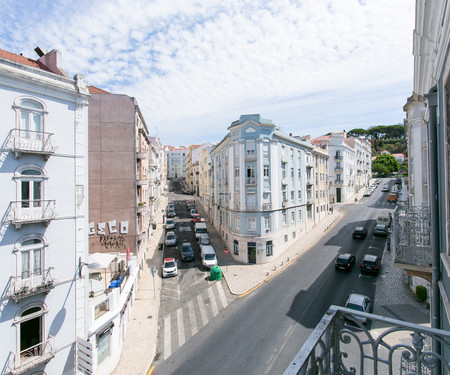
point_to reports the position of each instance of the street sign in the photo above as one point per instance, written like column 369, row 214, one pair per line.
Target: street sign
column 153, row 270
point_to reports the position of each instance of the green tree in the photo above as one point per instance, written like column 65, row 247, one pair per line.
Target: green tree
column 358, row 132
column 380, row 170
column 387, row 161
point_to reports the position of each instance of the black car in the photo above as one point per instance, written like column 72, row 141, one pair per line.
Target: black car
column 345, row 262
column 371, row 264
column 187, row 253
column 380, row 230
column 359, row 232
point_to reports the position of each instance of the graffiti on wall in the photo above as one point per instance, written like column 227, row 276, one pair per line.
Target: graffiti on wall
column 114, row 239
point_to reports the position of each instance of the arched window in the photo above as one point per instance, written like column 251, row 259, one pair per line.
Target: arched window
column 31, row 260
column 30, row 335
column 30, row 115
column 30, row 181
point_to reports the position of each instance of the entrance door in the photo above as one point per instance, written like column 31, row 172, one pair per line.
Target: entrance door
column 338, row 195
column 251, row 249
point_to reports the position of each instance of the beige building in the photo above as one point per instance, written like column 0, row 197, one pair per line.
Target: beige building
column 192, row 167
column 205, row 174
column 120, row 166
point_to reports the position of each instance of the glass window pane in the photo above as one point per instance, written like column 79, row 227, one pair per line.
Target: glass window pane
column 37, row 262
column 37, row 190
column 25, row 259
column 25, row 197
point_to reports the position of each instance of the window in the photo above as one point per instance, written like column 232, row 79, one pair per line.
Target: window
column 292, row 172
column 236, row 247
column 236, row 172
column 30, row 115
column 299, row 215
column 31, row 181
column 250, row 172
column 292, row 217
column 269, row 248
column 284, row 219
column 266, row 170
column 283, row 170
column 30, row 323
column 299, row 195
column 293, row 234
column 285, row 238
column 292, row 196
column 299, row 173
column 251, row 224
column 31, row 258
column 267, row 223
column 103, row 345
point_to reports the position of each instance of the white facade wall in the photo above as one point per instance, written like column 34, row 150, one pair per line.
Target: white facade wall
column 62, row 240
column 176, row 163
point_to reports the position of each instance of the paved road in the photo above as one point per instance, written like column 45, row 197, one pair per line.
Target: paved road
column 261, row 333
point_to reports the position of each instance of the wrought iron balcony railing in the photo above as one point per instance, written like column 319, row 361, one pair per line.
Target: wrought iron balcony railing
column 267, row 206
column 251, row 207
column 250, row 181
column 39, row 354
column 250, row 156
column 338, row 182
column 342, row 344
column 28, row 211
column 30, row 284
column 32, row 142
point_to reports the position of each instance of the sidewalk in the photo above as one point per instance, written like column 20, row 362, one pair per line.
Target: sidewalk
column 139, row 347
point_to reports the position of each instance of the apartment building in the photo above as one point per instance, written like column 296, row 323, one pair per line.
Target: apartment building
column 205, row 177
column 192, row 181
column 157, row 177
column 350, row 167
column 44, row 198
column 176, row 162
column 263, row 189
column 124, row 190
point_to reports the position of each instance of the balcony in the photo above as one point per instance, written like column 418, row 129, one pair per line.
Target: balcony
column 341, row 344
column 249, row 156
column 309, row 181
column 338, row 170
column 284, row 203
column 309, row 200
column 142, row 180
column 26, row 141
column 21, row 287
column 250, row 181
column 338, row 182
column 141, row 207
column 411, row 240
column 284, row 159
column 142, row 154
column 284, row 181
column 338, row 157
column 37, row 355
column 267, row 206
column 251, row 207
column 27, row 212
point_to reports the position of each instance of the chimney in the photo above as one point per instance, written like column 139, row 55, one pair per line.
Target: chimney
column 290, row 134
column 51, row 60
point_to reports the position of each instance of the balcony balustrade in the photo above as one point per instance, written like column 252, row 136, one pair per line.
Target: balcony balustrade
column 28, row 211
column 309, row 200
column 284, row 159
column 141, row 154
column 27, row 359
column 284, row 181
column 250, row 156
column 309, row 181
column 142, row 179
column 28, row 285
column 267, row 206
column 338, row 182
column 309, row 164
column 342, row 344
column 251, row 207
column 338, row 157
column 338, row 169
column 141, row 207
column 32, row 142
column 250, row 181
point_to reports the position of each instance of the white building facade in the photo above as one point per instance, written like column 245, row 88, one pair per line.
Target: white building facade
column 45, row 214
column 176, row 162
column 263, row 195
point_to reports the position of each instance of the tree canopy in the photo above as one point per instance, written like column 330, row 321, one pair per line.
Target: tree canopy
column 385, row 164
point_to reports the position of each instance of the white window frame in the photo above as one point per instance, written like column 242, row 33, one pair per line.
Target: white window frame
column 251, row 224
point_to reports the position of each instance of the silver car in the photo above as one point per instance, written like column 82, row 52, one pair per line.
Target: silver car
column 170, row 224
column 171, row 239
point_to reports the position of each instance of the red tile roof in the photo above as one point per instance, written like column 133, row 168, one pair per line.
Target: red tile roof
column 96, row 90
column 22, row 60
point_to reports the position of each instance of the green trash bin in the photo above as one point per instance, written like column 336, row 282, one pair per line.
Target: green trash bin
column 161, row 246
column 215, row 273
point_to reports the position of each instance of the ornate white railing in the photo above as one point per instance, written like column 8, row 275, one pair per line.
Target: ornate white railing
column 20, row 363
column 29, row 141
column 21, row 287
column 28, row 211
column 342, row 344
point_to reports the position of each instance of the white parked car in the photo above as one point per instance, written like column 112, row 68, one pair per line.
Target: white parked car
column 170, row 267
column 170, row 224
column 359, row 302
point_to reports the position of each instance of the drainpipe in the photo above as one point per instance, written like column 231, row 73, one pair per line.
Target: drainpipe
column 435, row 228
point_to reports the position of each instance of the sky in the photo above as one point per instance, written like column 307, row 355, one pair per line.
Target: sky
column 195, row 66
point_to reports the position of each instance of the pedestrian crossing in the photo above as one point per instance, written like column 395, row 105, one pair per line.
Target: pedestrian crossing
column 183, row 323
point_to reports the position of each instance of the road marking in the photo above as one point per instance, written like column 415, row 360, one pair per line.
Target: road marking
column 223, row 299
column 181, row 334
column 212, row 298
column 288, row 335
column 201, row 307
column 192, row 320
column 167, row 337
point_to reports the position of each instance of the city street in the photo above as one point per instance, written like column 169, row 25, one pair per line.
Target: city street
column 261, row 333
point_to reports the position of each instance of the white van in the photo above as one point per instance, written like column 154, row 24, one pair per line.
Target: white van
column 208, row 256
column 200, row 228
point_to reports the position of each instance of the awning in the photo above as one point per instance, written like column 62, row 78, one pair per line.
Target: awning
column 100, row 260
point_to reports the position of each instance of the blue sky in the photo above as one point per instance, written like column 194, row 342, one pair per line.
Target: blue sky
column 194, row 66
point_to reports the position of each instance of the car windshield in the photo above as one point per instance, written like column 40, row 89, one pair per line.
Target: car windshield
column 169, row 221
column 170, row 264
column 369, row 263
column 186, row 249
column 210, row 257
column 201, row 230
column 354, row 307
column 343, row 261
column 171, row 237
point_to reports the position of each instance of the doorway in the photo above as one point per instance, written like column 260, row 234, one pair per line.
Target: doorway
column 338, row 195
column 251, row 250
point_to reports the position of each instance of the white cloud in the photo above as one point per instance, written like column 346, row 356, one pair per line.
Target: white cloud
column 207, row 62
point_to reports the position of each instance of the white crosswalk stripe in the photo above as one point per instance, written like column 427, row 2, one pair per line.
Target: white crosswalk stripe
column 187, row 320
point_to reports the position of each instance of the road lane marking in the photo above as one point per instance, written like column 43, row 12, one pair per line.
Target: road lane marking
column 212, row 298
column 223, row 299
column 288, row 335
column 167, row 337
column 181, row 334
column 192, row 319
column 201, row 307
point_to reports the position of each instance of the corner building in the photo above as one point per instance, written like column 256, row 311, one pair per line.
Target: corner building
column 262, row 189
